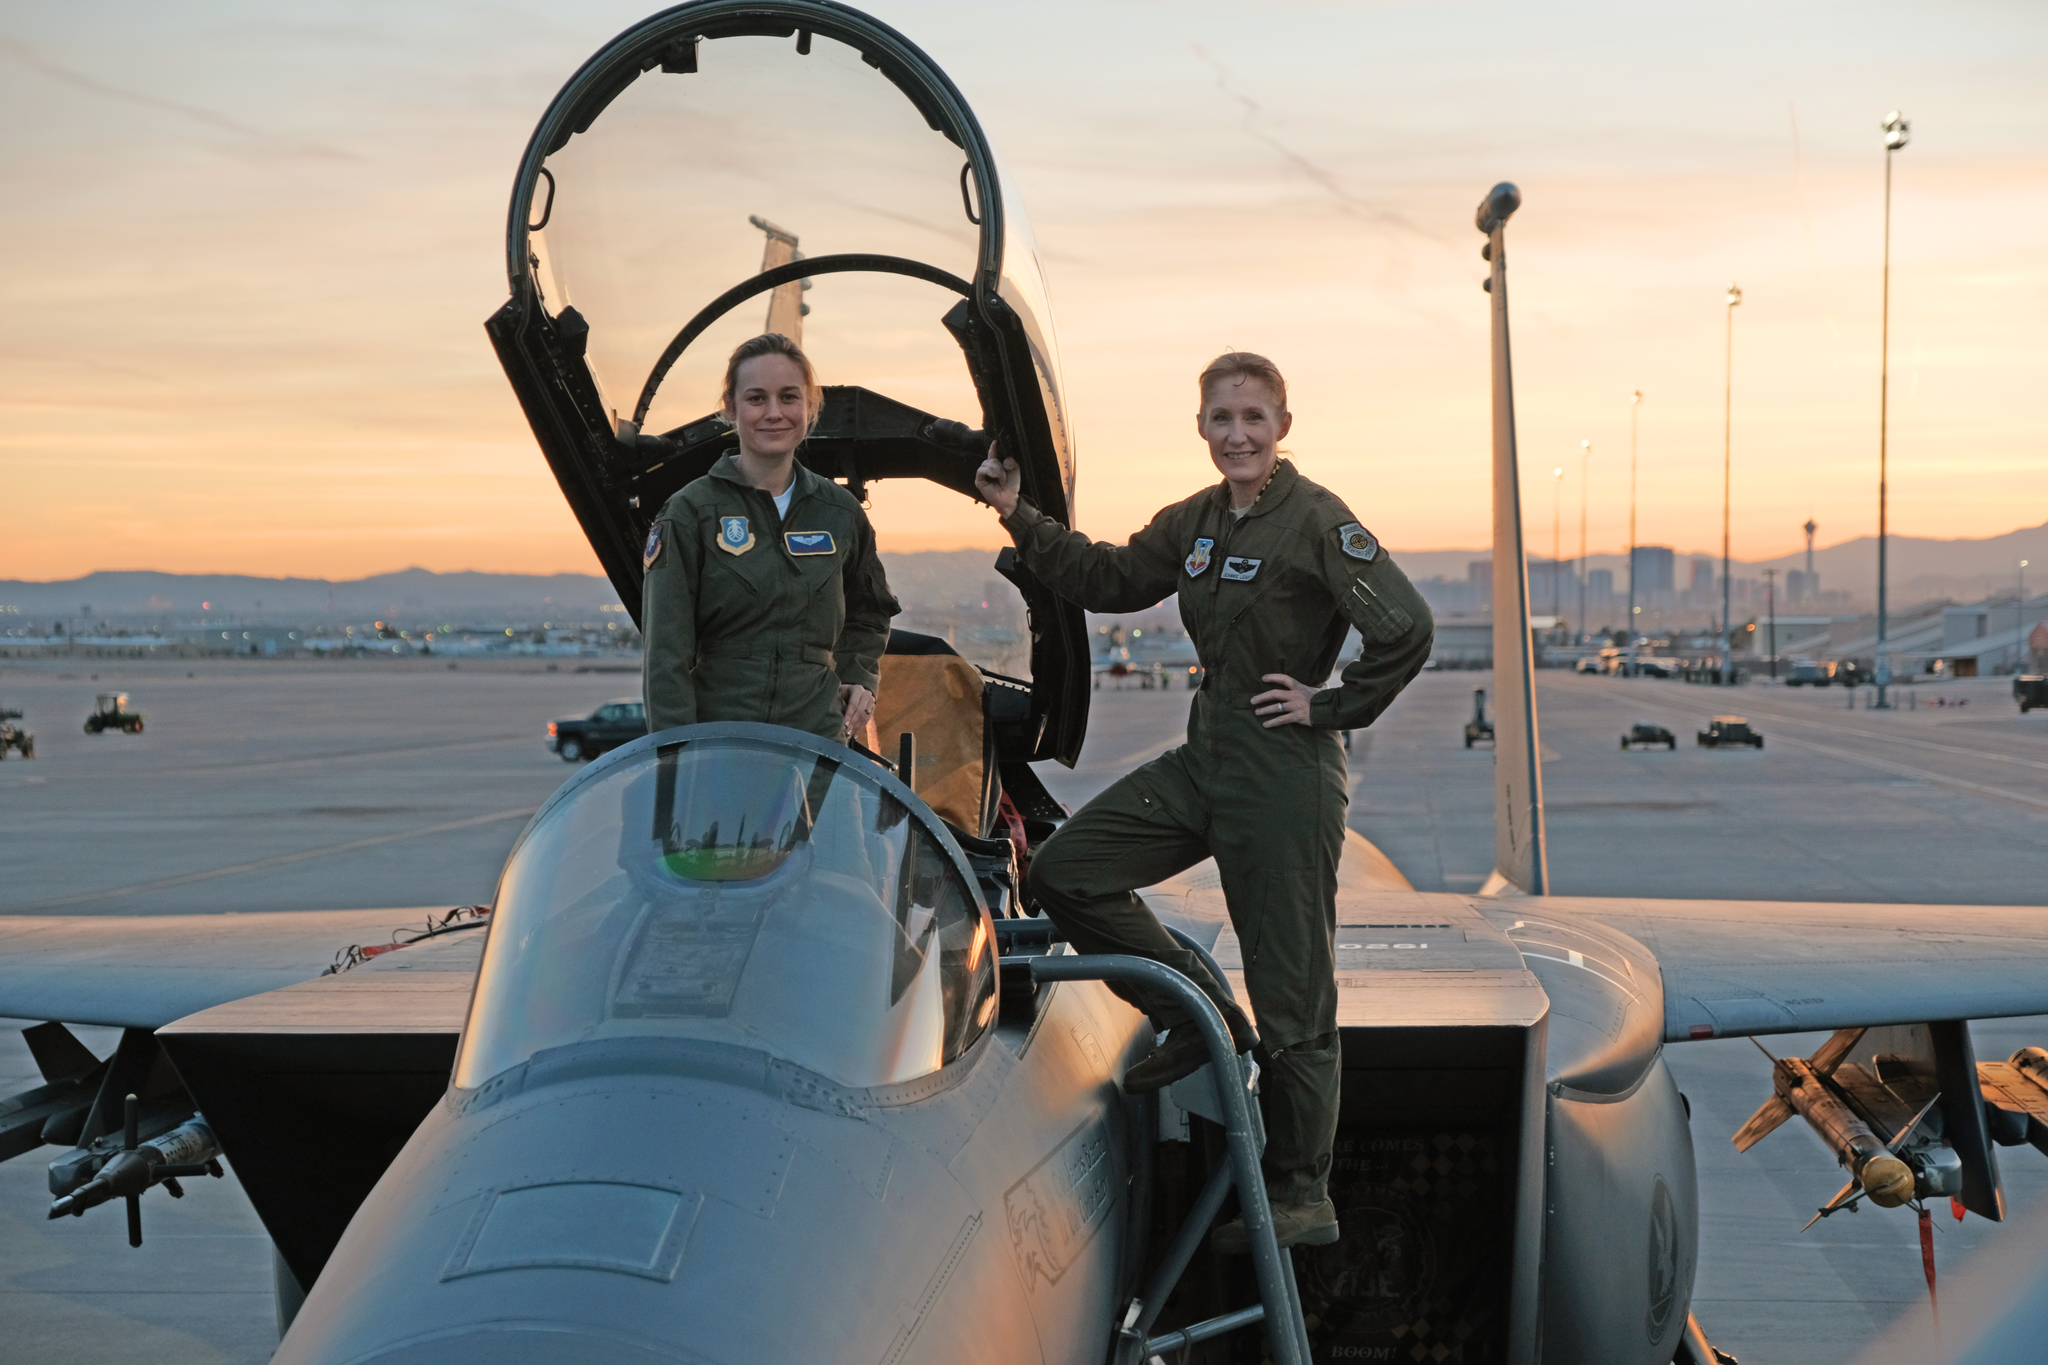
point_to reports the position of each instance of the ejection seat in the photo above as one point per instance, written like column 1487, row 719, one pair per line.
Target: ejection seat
column 954, row 711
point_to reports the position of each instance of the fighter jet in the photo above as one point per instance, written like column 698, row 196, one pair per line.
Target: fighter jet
column 758, row 1053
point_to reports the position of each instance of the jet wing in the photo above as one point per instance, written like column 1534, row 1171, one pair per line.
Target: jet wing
column 1736, row 968
column 144, row 971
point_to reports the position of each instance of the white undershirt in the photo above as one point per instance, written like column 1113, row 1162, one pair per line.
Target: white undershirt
column 782, row 499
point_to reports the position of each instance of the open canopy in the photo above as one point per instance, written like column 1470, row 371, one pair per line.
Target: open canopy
column 724, row 169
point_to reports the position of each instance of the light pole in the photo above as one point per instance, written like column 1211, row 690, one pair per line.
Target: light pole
column 1556, row 523
column 1771, row 587
column 1635, row 406
column 1585, row 468
column 1727, row 445
column 2019, row 623
column 1896, row 130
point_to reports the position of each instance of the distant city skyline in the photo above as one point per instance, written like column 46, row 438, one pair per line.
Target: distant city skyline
column 254, row 249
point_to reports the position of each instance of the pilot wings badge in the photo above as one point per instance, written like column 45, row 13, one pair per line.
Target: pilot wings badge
column 735, row 537
column 1357, row 542
column 1198, row 558
column 808, row 542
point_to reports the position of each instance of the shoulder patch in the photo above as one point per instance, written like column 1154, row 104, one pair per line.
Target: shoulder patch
column 652, row 550
column 1357, row 542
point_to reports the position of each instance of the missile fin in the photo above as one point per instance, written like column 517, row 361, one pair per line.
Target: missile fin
column 1831, row 1053
column 1773, row 1112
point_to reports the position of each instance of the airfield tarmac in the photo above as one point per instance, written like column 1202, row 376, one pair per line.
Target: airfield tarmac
column 263, row 786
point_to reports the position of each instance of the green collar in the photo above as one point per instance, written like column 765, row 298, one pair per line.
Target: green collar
column 1272, row 495
column 728, row 469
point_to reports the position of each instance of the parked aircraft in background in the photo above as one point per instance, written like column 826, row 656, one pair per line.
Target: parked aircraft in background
column 753, row 1066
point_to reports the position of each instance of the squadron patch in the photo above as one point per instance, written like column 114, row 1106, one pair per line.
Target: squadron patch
column 1357, row 542
column 652, row 550
column 735, row 537
column 1198, row 558
column 808, row 542
column 1241, row 570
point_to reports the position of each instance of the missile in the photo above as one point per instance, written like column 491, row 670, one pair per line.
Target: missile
column 1884, row 1177
column 189, row 1149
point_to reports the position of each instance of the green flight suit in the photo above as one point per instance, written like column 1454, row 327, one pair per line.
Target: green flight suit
column 749, row 615
column 1270, row 592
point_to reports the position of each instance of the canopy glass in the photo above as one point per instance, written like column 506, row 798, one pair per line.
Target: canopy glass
column 741, row 888
column 692, row 182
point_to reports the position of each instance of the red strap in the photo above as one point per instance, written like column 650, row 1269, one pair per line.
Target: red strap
column 1927, row 1262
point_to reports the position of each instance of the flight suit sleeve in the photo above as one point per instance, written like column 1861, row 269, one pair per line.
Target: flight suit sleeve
column 668, row 626
column 1096, row 575
column 869, row 604
column 1392, row 620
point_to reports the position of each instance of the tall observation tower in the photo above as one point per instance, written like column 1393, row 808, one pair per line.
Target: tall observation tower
column 1807, row 588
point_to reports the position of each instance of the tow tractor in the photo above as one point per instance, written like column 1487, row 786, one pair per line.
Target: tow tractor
column 12, row 736
column 110, row 712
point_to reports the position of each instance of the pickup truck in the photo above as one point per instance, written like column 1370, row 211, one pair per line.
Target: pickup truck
column 579, row 738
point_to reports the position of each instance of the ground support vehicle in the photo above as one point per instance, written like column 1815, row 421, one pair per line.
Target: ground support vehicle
column 1728, row 732
column 578, row 738
column 1808, row 673
column 2030, row 691
column 1642, row 732
column 1479, row 727
column 110, row 712
column 13, row 736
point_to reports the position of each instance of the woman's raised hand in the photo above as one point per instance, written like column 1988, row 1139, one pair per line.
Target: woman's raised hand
column 998, row 481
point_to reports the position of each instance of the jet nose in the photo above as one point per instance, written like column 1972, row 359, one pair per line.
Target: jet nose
column 526, row 1343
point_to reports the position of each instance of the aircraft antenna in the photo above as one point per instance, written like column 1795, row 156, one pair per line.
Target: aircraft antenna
column 1520, row 856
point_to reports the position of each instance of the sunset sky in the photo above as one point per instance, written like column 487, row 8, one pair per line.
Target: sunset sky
column 252, row 248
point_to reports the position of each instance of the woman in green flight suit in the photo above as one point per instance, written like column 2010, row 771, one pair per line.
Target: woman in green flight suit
column 1270, row 570
column 764, row 598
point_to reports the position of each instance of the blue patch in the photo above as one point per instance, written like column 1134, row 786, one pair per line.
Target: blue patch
column 1241, row 570
column 652, row 551
column 735, row 537
column 809, row 542
column 1197, row 562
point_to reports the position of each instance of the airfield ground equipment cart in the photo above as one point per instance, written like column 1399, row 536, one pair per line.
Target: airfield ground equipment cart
column 1642, row 732
column 1479, row 727
column 1726, row 732
column 110, row 712
column 2030, row 691
column 12, row 736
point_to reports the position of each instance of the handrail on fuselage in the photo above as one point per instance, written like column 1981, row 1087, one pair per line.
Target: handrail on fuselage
column 1278, row 1295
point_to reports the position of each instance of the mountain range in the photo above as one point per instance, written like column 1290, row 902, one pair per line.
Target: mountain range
column 1920, row 569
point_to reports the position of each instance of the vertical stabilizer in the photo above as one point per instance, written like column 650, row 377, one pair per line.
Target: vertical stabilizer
column 1519, row 854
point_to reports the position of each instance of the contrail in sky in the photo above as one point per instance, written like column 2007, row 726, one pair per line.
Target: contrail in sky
column 35, row 61
column 1347, row 201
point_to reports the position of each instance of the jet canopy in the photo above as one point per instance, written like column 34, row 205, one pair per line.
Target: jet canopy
column 747, row 885
column 729, row 168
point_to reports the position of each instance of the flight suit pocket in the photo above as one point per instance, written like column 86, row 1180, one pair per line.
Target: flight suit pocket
column 1379, row 620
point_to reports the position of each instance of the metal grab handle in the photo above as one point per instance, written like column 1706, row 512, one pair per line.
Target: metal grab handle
column 1284, row 1326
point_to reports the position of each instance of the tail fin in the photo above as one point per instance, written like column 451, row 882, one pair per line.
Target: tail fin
column 1519, row 852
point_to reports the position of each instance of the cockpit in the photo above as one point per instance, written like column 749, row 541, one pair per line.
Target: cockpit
column 748, row 886
column 721, row 170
